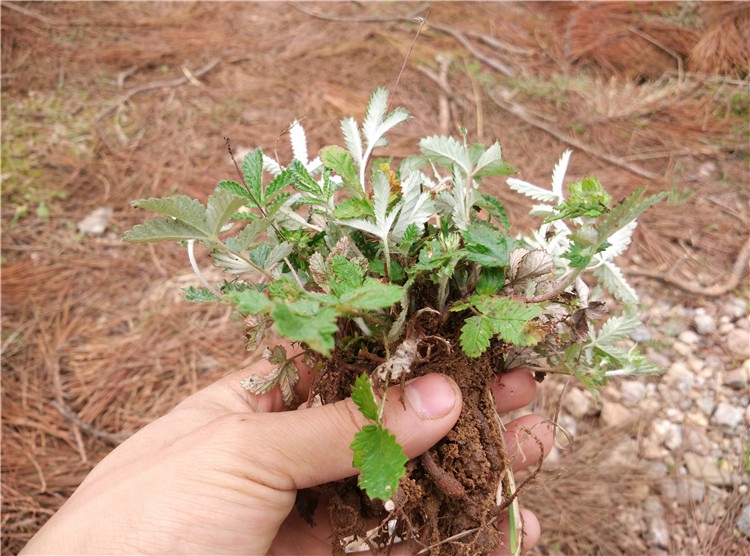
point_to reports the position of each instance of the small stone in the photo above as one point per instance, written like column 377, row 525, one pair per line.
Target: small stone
column 667, row 433
column 682, row 349
column 641, row 334
column 706, row 404
column 614, row 414
column 704, row 324
column 96, row 222
column 738, row 342
column 680, row 376
column 743, row 521
column 657, row 534
column 632, row 392
column 743, row 324
column 689, row 338
column 697, row 439
column 577, row 402
column 703, row 467
column 726, row 415
column 735, row 307
column 736, row 379
column 650, row 449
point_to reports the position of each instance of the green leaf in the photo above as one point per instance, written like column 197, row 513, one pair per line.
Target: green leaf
column 199, row 295
column 372, row 295
column 587, row 198
column 364, row 397
column 495, row 209
column 221, row 206
column 380, row 459
column 353, row 208
column 579, row 256
column 509, row 318
column 234, row 187
column 475, row 335
column 249, row 301
column 447, row 152
column 304, row 322
column 302, row 180
column 163, row 229
column 349, row 274
column 490, row 281
column 488, row 246
column 252, row 170
column 181, row 207
column 340, row 161
column 626, row 211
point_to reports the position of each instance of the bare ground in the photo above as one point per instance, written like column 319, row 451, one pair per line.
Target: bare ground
column 104, row 103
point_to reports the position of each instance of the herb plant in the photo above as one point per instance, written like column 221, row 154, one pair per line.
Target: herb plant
column 376, row 269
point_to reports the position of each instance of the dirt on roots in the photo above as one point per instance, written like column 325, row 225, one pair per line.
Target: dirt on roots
column 104, row 103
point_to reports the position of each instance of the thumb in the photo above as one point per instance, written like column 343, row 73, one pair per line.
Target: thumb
column 311, row 446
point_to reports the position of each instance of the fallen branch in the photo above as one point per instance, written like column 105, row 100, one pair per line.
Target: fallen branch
column 189, row 77
column 522, row 113
column 739, row 269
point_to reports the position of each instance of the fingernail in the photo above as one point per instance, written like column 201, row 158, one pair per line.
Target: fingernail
column 432, row 396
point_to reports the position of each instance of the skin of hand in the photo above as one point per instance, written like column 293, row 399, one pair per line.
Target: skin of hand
column 219, row 473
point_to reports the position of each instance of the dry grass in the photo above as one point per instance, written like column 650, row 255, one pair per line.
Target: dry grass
column 99, row 109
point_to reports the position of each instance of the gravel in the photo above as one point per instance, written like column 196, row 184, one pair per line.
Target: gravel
column 693, row 419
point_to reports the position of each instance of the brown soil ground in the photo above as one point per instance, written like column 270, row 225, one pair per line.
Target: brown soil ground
column 104, row 103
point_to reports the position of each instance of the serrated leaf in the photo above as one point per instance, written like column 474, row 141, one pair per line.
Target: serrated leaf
column 298, row 141
column 578, row 255
column 252, row 171
column 353, row 208
column 284, row 375
column 251, row 232
column 494, row 208
column 349, row 275
column 234, row 187
column 383, row 220
column 301, row 322
column 475, row 335
column 487, row 246
column 417, row 209
column 380, row 459
column 199, row 295
column 626, row 211
column 374, row 115
column 447, row 152
column 611, row 278
column 490, row 281
column 364, row 397
column 533, row 191
column 619, row 242
column 249, row 301
column 509, row 318
column 221, row 205
column 340, row 161
column 181, row 207
column 558, row 175
column 352, row 139
column 162, row 229
column 616, row 329
column 302, row 180
column 372, row 295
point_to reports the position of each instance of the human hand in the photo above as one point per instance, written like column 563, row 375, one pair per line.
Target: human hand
column 220, row 472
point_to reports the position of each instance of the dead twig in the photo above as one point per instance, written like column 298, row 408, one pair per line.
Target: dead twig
column 739, row 269
column 522, row 113
column 494, row 63
column 189, row 77
column 31, row 13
